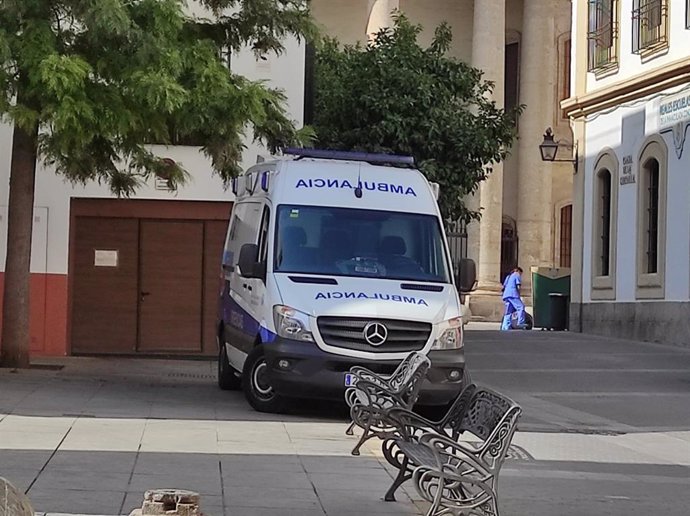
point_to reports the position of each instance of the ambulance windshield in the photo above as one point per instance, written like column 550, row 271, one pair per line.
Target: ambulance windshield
column 361, row 243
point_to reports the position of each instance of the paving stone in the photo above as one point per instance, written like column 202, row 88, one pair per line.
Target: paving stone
column 268, row 497
column 365, row 502
column 378, row 481
column 114, row 462
column 338, row 464
column 159, row 463
column 76, row 501
column 279, row 479
column 82, row 480
column 23, row 459
column 284, row 463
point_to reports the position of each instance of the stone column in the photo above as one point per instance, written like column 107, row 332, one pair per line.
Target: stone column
column 537, row 76
column 488, row 54
column 380, row 15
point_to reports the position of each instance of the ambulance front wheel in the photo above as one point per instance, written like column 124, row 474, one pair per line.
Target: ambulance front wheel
column 256, row 383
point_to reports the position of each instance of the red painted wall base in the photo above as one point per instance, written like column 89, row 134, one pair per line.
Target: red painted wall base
column 48, row 326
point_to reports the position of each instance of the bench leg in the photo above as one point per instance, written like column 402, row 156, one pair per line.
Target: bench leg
column 350, row 429
column 365, row 437
column 402, row 477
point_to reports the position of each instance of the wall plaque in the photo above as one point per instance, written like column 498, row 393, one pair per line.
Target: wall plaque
column 105, row 258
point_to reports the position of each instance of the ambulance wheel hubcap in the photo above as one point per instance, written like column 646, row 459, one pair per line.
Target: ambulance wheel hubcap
column 260, row 380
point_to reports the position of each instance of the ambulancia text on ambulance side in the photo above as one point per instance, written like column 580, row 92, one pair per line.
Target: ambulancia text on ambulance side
column 334, row 259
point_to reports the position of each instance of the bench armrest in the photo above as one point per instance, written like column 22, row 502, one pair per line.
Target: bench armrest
column 372, row 394
column 410, row 424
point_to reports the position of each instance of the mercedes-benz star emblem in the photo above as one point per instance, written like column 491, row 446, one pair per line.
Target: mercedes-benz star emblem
column 375, row 333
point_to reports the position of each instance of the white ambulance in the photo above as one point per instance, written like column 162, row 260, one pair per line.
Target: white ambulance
column 334, row 259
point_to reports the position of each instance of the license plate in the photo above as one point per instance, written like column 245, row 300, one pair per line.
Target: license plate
column 350, row 380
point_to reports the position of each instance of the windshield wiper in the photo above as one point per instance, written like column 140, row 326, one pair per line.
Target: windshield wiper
column 313, row 280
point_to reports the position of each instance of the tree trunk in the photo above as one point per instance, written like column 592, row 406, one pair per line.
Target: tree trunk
column 14, row 347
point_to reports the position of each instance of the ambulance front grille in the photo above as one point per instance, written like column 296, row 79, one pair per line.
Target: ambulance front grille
column 348, row 333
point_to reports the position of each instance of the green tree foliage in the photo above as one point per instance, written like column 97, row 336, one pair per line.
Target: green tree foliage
column 102, row 77
column 395, row 96
column 88, row 82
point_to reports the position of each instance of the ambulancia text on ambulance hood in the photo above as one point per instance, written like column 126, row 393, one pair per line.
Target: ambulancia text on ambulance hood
column 366, row 297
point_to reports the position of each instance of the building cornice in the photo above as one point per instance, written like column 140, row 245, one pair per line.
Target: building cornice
column 639, row 86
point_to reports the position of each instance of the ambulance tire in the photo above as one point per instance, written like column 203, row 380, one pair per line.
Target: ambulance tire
column 257, row 389
column 228, row 380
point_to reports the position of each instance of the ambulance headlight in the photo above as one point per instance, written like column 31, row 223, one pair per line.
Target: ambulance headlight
column 451, row 335
column 292, row 324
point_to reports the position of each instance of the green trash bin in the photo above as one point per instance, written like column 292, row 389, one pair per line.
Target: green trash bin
column 545, row 281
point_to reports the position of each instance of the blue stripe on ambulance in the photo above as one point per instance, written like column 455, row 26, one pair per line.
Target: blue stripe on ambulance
column 239, row 318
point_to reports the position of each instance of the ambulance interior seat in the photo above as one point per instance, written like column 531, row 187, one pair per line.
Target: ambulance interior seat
column 392, row 251
column 294, row 254
column 336, row 245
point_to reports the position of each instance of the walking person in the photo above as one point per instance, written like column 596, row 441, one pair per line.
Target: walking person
column 512, row 300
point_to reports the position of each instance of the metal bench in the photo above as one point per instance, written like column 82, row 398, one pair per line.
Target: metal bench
column 373, row 396
column 460, row 476
column 409, row 428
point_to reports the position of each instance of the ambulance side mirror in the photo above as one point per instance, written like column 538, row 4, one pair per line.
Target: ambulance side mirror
column 466, row 278
column 249, row 262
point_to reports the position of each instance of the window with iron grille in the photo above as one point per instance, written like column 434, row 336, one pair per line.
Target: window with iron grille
column 602, row 34
column 652, row 216
column 566, row 235
column 649, row 24
column 605, row 222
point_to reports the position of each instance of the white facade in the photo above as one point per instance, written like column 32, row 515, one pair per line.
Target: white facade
column 631, row 115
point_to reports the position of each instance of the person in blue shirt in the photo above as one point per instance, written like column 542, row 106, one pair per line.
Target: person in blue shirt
column 512, row 300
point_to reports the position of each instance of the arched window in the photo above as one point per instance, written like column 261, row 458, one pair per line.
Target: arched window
column 604, row 226
column 651, row 219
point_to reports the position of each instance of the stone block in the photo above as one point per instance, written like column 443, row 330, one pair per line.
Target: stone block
column 13, row 502
column 169, row 502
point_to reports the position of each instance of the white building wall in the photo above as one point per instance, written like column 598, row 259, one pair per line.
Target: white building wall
column 632, row 64
column 625, row 130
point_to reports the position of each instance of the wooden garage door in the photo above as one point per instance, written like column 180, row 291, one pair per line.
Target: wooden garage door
column 104, row 300
column 145, row 286
column 171, row 286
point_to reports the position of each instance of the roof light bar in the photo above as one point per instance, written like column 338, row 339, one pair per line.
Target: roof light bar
column 369, row 157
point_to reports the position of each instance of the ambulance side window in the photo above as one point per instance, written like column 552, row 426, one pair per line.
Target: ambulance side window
column 263, row 235
column 244, row 229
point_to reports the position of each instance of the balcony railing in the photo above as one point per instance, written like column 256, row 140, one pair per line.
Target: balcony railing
column 650, row 25
column 602, row 36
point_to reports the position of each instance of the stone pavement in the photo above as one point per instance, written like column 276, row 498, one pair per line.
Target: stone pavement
column 92, row 436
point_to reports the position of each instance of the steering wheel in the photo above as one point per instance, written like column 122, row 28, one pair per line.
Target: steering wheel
column 362, row 265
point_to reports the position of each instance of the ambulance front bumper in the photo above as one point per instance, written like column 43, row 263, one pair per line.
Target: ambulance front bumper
column 302, row 370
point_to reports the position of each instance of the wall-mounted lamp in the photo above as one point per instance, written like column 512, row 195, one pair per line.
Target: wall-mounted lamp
column 549, row 148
